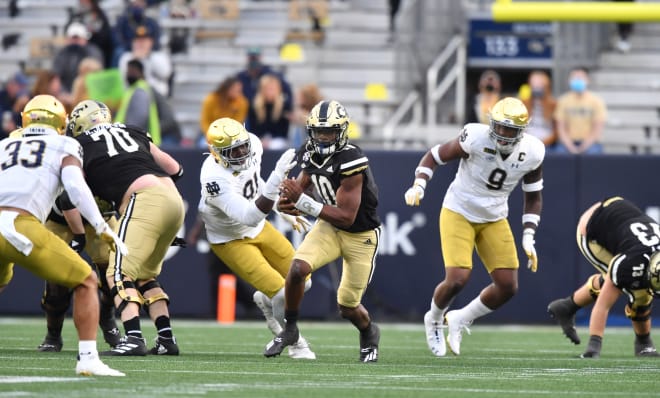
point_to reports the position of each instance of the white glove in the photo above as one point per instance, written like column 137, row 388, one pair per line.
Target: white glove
column 110, row 237
column 284, row 164
column 299, row 223
column 528, row 247
column 415, row 194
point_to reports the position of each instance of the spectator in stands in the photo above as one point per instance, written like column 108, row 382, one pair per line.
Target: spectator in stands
column 306, row 97
column 133, row 17
column 623, row 30
column 157, row 64
column 253, row 72
column 79, row 91
column 580, row 117
column 541, row 105
column 227, row 100
column 268, row 116
column 90, row 14
column 77, row 47
column 48, row 82
column 13, row 97
column 490, row 88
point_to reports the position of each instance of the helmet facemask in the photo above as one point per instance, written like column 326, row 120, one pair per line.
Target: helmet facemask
column 235, row 156
column 505, row 136
column 327, row 140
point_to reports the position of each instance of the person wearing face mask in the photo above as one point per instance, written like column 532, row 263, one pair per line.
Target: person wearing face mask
column 490, row 87
column 541, row 105
column 127, row 24
column 580, row 117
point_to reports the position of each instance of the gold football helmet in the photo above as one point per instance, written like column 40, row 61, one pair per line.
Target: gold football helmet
column 654, row 273
column 229, row 143
column 508, row 119
column 327, row 126
column 45, row 110
column 87, row 114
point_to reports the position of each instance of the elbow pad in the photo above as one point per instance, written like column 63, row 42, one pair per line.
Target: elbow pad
column 80, row 195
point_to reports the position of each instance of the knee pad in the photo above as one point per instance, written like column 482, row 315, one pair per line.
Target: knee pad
column 153, row 284
column 593, row 291
column 640, row 309
column 120, row 290
column 56, row 299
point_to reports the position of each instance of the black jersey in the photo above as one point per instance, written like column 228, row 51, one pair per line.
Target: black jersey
column 327, row 174
column 619, row 226
column 114, row 156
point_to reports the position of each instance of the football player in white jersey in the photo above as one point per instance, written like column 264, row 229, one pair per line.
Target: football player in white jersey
column 234, row 204
column 34, row 167
column 493, row 159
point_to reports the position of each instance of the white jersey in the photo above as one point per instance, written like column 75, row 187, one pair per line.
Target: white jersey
column 484, row 180
column 30, row 169
column 226, row 194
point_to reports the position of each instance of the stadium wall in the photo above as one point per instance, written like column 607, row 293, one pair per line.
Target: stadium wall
column 410, row 264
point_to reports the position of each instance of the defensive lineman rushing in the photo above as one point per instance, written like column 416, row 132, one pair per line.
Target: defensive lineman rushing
column 623, row 244
column 34, row 168
column 234, row 204
column 493, row 159
column 347, row 226
column 124, row 167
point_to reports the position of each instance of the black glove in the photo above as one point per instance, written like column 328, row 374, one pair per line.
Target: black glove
column 179, row 242
column 78, row 243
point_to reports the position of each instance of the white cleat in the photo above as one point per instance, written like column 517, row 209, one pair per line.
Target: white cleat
column 266, row 306
column 455, row 327
column 435, row 336
column 95, row 367
column 301, row 350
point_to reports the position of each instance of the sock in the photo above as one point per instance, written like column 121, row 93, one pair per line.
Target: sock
column 437, row 313
column 291, row 317
column 164, row 327
column 132, row 327
column 87, row 349
column 277, row 302
column 476, row 309
column 365, row 332
column 643, row 338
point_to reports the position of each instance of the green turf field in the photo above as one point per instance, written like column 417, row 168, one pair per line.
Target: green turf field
column 226, row 361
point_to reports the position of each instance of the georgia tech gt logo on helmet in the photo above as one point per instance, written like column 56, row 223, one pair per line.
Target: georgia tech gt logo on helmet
column 508, row 119
column 229, row 143
column 86, row 115
column 327, row 126
column 44, row 110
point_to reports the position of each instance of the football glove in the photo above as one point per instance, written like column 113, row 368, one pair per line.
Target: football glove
column 282, row 167
column 528, row 247
column 415, row 194
column 110, row 237
column 299, row 223
column 78, row 243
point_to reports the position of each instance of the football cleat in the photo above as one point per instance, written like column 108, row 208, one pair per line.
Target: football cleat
column 51, row 344
column 561, row 311
column 369, row 344
column 128, row 346
column 455, row 327
column 646, row 349
column 165, row 346
column 289, row 336
column 266, row 306
column 112, row 336
column 593, row 347
column 93, row 366
column 301, row 350
column 435, row 336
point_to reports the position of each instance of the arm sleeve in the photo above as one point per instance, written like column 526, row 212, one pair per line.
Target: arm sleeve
column 81, row 196
column 236, row 207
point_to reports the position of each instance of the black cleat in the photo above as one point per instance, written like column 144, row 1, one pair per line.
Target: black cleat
column 646, row 349
column 165, row 346
column 590, row 354
column 128, row 346
column 112, row 337
column 561, row 310
column 369, row 344
column 593, row 348
column 51, row 344
column 287, row 337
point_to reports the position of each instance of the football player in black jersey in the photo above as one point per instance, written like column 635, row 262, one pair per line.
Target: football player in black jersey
column 620, row 241
column 65, row 222
column 123, row 166
column 347, row 226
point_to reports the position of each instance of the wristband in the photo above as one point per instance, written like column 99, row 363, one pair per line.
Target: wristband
column 533, row 187
column 436, row 155
column 308, row 205
column 421, row 182
column 531, row 218
column 178, row 174
column 424, row 170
